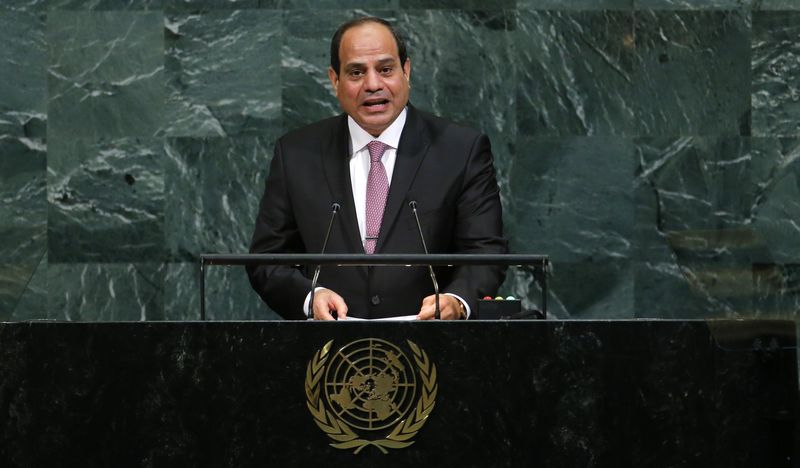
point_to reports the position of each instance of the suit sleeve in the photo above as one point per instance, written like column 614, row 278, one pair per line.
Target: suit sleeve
column 478, row 227
column 283, row 288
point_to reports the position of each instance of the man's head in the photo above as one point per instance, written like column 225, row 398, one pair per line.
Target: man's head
column 370, row 72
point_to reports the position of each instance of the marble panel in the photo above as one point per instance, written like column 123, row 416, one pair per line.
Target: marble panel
column 692, row 73
column 776, row 73
column 572, row 198
column 214, row 186
column 23, row 154
column 596, row 288
column 457, row 4
column 708, row 210
column 305, row 58
column 315, row 5
column 208, row 5
column 223, row 72
column 776, row 210
column 575, row 73
column 462, row 69
column 776, row 4
column 583, row 5
column 692, row 4
column 86, row 5
column 23, row 219
column 777, row 291
column 335, row 5
column 462, row 66
column 704, row 197
column 106, row 200
column 182, row 291
column 228, row 294
column 23, row 291
column 14, row 279
column 23, row 79
column 23, row 199
column 672, row 289
column 106, row 292
column 106, row 73
column 716, row 4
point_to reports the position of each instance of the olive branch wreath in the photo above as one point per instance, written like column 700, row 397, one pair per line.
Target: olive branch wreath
column 343, row 435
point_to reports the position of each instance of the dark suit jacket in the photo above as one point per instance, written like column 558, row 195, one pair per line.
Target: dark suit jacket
column 446, row 168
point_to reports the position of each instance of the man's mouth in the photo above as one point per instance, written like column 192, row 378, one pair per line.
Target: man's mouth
column 375, row 103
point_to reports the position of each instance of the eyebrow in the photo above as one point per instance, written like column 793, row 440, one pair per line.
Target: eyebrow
column 381, row 62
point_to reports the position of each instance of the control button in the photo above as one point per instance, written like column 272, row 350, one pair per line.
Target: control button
column 375, row 300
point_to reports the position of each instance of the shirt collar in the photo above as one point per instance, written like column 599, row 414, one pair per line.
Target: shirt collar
column 359, row 138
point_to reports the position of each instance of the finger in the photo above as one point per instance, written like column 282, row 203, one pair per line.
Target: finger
column 338, row 304
column 321, row 312
column 322, row 309
column 447, row 306
column 427, row 310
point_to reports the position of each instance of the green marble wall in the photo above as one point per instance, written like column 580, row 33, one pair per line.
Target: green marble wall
column 651, row 147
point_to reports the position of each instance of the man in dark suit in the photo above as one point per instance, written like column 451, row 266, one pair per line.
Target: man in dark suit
column 373, row 160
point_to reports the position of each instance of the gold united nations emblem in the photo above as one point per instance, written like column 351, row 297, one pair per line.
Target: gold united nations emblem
column 370, row 393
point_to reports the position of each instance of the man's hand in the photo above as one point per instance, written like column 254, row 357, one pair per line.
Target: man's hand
column 327, row 303
column 449, row 306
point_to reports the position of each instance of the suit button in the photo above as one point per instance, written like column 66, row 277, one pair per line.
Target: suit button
column 376, row 300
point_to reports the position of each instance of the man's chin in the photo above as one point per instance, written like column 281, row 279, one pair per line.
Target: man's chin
column 375, row 123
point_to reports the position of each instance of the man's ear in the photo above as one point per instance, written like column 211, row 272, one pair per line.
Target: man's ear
column 334, row 77
column 407, row 69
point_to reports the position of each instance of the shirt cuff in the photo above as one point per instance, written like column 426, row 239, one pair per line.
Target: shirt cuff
column 306, row 310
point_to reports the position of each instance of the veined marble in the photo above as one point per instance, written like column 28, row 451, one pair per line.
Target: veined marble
column 649, row 146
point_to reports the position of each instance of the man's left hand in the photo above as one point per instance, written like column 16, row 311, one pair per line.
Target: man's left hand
column 449, row 306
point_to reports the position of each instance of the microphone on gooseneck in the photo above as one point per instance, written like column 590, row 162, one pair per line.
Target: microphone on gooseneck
column 335, row 207
column 437, row 314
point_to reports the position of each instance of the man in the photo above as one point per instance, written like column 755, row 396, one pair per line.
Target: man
column 373, row 160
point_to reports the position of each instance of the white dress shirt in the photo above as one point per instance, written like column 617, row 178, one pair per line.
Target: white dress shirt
column 360, row 162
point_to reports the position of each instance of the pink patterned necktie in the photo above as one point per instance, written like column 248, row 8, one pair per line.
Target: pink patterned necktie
column 377, row 189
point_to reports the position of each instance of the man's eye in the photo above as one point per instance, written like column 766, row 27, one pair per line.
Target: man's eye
column 356, row 73
column 386, row 70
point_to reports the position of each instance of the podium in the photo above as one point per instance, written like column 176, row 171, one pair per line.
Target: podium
column 525, row 393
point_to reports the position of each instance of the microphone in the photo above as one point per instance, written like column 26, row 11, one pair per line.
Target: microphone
column 437, row 314
column 335, row 207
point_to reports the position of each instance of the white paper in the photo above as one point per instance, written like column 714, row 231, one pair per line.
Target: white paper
column 400, row 318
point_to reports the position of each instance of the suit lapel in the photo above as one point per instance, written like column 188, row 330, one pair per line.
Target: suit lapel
column 413, row 145
column 335, row 162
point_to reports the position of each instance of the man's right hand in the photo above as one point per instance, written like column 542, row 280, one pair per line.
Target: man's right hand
column 327, row 303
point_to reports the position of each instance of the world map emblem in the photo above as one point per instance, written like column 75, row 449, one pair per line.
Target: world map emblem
column 370, row 393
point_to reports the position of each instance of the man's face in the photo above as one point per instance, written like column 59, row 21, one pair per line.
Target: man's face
column 372, row 86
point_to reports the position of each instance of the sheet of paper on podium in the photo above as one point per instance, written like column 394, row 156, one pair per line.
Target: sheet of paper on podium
column 386, row 319
column 399, row 318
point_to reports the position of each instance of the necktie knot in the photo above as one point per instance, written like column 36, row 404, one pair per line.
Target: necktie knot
column 376, row 149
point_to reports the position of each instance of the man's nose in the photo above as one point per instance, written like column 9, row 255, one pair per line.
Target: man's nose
column 373, row 81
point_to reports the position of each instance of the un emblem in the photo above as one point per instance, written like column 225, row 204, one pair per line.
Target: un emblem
column 370, row 393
